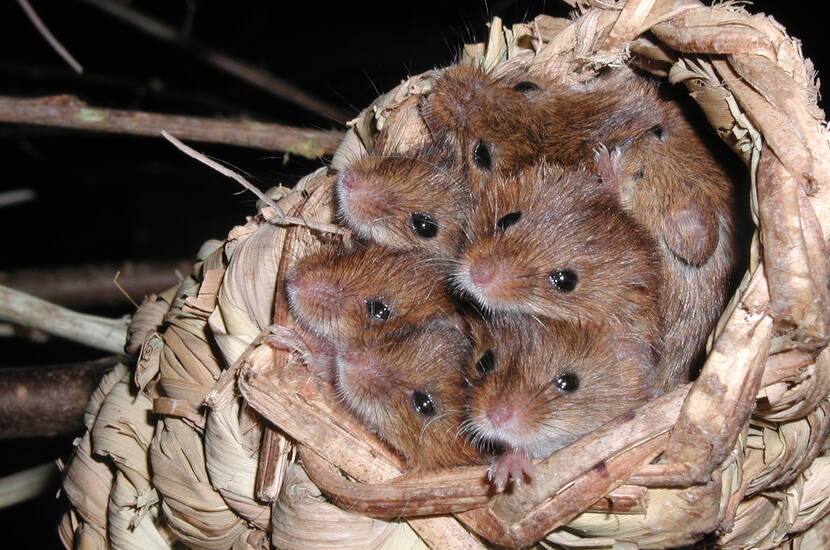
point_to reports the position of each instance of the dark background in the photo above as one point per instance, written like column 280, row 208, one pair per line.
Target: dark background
column 108, row 198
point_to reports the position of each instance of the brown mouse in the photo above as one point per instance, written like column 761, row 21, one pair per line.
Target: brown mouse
column 411, row 200
column 338, row 293
column 555, row 243
column 406, row 383
column 335, row 294
column 674, row 186
column 537, row 385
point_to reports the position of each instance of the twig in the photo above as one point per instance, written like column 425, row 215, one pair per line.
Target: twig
column 98, row 332
column 21, row 486
column 9, row 198
column 92, row 284
column 50, row 38
column 48, row 400
column 238, row 68
column 280, row 217
column 70, row 112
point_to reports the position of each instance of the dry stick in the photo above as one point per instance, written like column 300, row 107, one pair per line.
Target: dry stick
column 48, row 400
column 98, row 332
column 93, row 285
column 50, row 38
column 9, row 198
column 238, row 68
column 280, row 217
column 70, row 112
column 21, row 486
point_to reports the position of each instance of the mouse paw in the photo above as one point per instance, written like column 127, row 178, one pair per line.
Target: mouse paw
column 511, row 466
column 318, row 357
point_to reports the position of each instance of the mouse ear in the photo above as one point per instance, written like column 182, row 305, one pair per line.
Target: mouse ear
column 692, row 233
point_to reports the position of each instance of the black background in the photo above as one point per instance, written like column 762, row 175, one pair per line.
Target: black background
column 114, row 198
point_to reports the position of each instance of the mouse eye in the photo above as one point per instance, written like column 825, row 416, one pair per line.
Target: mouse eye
column 481, row 155
column 486, row 363
column 423, row 403
column 566, row 382
column 525, row 86
column 657, row 131
column 423, row 225
column 507, row 220
column 378, row 310
column 563, row 279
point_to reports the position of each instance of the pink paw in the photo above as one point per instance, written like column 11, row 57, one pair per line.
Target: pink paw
column 315, row 353
column 511, row 465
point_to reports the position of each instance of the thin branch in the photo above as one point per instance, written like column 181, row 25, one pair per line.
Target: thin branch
column 9, row 198
column 49, row 37
column 238, row 68
column 48, row 400
column 98, row 332
column 280, row 217
column 21, row 486
column 92, row 284
column 70, row 112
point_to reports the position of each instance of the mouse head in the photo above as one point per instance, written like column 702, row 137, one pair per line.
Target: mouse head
column 338, row 293
column 406, row 383
column 539, row 385
column 407, row 201
column 555, row 243
column 488, row 120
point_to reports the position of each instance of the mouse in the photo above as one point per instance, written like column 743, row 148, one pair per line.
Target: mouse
column 342, row 291
column 406, row 382
column 407, row 200
column 555, row 242
column 673, row 184
column 539, row 384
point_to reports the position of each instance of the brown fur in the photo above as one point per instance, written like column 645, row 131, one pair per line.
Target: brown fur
column 614, row 376
column 378, row 373
column 328, row 292
column 394, row 186
column 567, row 222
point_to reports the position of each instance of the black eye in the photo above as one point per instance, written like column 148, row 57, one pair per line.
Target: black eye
column 657, row 131
column 423, row 403
column 486, row 363
column 638, row 175
column 566, row 382
column 423, row 225
column 481, row 155
column 507, row 220
column 563, row 279
column 378, row 310
column 525, row 86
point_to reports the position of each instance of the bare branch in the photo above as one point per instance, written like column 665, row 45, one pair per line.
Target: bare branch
column 49, row 37
column 98, row 332
column 21, row 486
column 238, row 68
column 69, row 112
column 49, row 400
column 280, row 217
column 92, row 284
column 9, row 198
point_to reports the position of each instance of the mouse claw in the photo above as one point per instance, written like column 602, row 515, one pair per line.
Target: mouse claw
column 319, row 360
column 512, row 466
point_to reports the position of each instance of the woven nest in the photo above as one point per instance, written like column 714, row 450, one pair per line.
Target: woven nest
column 246, row 449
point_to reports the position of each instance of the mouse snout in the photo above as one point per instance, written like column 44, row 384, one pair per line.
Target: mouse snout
column 363, row 369
column 501, row 414
column 351, row 182
column 482, row 273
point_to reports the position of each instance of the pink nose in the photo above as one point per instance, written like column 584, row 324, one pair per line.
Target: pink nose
column 500, row 414
column 350, row 182
column 482, row 273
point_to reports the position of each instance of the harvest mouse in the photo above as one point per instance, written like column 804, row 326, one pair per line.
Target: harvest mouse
column 337, row 294
column 555, row 243
column 406, row 383
column 537, row 385
column 411, row 200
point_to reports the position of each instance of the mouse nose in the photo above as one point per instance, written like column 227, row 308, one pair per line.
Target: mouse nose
column 482, row 273
column 350, row 182
column 500, row 415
